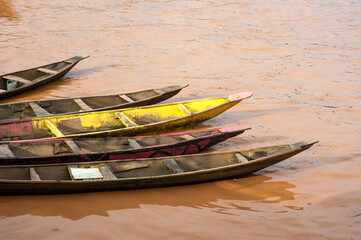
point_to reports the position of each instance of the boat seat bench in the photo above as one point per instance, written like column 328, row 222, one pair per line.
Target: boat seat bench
column 173, row 165
column 184, row 108
column 34, row 176
column 17, row 79
column 48, row 71
column 133, row 143
column 240, row 158
column 5, row 151
column 39, row 111
column 187, row 137
column 58, row 133
column 82, row 104
column 159, row 91
column 126, row 98
column 107, row 172
column 125, row 119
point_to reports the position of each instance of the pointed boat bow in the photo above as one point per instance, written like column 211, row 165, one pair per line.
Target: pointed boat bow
column 303, row 145
column 234, row 129
column 76, row 59
column 239, row 96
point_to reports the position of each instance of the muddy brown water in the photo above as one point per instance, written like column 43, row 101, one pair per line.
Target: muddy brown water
column 301, row 59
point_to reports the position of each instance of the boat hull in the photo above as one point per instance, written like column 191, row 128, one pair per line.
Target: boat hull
column 116, row 123
column 228, row 171
column 56, row 107
column 197, row 141
column 37, row 82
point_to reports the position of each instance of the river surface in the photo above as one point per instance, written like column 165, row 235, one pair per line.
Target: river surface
column 302, row 60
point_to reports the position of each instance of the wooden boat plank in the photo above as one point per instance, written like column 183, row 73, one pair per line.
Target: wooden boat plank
column 159, row 91
column 53, row 129
column 34, row 176
column 126, row 98
column 69, row 167
column 39, row 111
column 133, row 143
column 17, row 79
column 92, row 173
column 107, row 172
column 187, row 137
column 240, row 158
column 49, row 71
column 184, row 108
column 82, row 104
column 73, row 146
column 125, row 119
column 5, row 151
column 173, row 165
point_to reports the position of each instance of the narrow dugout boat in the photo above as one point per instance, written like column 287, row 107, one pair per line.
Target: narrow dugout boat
column 32, row 109
column 12, row 84
column 123, row 122
column 141, row 173
column 65, row 150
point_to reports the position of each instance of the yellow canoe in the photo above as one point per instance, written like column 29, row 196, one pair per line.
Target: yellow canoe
column 123, row 122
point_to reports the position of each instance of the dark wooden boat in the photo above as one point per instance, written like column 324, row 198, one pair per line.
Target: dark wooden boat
column 141, row 173
column 12, row 84
column 122, row 122
column 67, row 150
column 42, row 108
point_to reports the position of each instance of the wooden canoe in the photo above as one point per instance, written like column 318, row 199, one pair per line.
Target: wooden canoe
column 32, row 109
column 141, row 173
column 47, row 151
column 121, row 122
column 12, row 84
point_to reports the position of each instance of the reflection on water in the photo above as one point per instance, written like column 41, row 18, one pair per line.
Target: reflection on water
column 223, row 197
column 7, row 11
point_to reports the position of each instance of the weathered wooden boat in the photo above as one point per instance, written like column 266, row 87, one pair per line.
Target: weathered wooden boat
column 31, row 109
column 121, row 122
column 141, row 173
column 65, row 150
column 12, row 84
